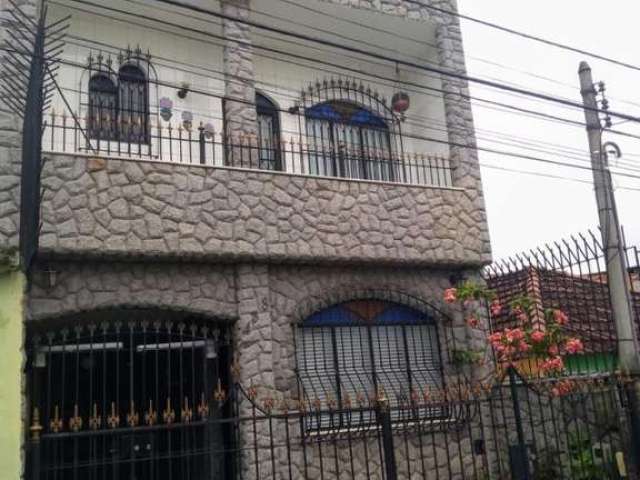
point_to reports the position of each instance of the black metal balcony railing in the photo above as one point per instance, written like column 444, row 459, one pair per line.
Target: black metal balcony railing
column 204, row 145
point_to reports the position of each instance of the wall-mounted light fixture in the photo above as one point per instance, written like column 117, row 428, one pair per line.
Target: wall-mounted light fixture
column 51, row 276
column 184, row 89
column 456, row 278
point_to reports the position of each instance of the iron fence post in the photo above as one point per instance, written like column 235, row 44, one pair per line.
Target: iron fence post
column 519, row 465
column 633, row 395
column 384, row 420
column 201, row 143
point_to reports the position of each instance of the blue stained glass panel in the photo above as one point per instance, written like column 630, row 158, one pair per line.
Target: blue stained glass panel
column 344, row 112
column 392, row 314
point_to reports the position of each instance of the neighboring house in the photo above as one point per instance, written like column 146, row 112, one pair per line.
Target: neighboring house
column 582, row 295
column 223, row 195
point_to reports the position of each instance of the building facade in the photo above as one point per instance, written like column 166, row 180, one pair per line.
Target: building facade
column 222, row 193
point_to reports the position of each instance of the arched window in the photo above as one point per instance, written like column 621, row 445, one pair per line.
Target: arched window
column 103, row 108
column 364, row 346
column 268, row 133
column 133, row 104
column 347, row 140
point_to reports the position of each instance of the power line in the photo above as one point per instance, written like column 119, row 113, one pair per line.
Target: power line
column 395, row 81
column 433, row 46
column 493, row 104
column 428, row 123
column 411, row 136
column 343, row 68
column 408, row 136
column 495, row 151
column 528, row 36
column 548, row 175
column 430, row 139
column 441, row 71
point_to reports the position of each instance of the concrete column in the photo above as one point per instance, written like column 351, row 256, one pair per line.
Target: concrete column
column 254, row 354
column 253, row 333
column 239, row 106
column 459, row 118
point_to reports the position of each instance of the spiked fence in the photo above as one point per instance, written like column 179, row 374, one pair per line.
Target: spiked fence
column 203, row 145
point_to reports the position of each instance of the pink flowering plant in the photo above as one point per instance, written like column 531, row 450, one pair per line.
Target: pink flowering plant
column 538, row 336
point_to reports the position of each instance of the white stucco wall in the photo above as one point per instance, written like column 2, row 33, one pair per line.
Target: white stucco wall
column 177, row 56
column 183, row 55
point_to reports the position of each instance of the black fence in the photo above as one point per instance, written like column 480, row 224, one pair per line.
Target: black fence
column 238, row 433
column 146, row 395
column 205, row 145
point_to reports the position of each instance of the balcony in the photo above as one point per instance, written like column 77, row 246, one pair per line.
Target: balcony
column 167, row 151
column 203, row 145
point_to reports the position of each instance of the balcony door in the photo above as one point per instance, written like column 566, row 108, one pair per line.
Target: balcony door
column 346, row 140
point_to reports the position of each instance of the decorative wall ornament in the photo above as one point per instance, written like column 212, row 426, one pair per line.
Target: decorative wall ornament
column 184, row 89
column 400, row 103
column 400, row 100
column 187, row 119
column 166, row 108
column 209, row 130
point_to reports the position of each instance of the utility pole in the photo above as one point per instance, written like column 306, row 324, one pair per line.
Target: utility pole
column 617, row 272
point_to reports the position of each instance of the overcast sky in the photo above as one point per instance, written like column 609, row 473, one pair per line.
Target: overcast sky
column 526, row 210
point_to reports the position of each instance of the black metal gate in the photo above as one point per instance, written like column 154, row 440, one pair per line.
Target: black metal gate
column 128, row 395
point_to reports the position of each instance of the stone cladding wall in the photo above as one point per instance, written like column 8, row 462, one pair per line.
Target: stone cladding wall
column 120, row 208
column 239, row 105
column 66, row 288
column 264, row 301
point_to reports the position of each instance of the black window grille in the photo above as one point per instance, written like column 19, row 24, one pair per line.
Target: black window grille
column 361, row 348
column 133, row 104
column 348, row 140
column 268, row 133
column 103, row 108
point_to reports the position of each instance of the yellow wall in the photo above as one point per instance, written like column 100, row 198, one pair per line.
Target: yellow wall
column 11, row 295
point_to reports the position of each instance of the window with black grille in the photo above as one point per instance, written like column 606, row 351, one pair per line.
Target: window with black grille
column 133, row 104
column 103, row 107
column 348, row 140
column 356, row 349
column 268, row 133
column 119, row 105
